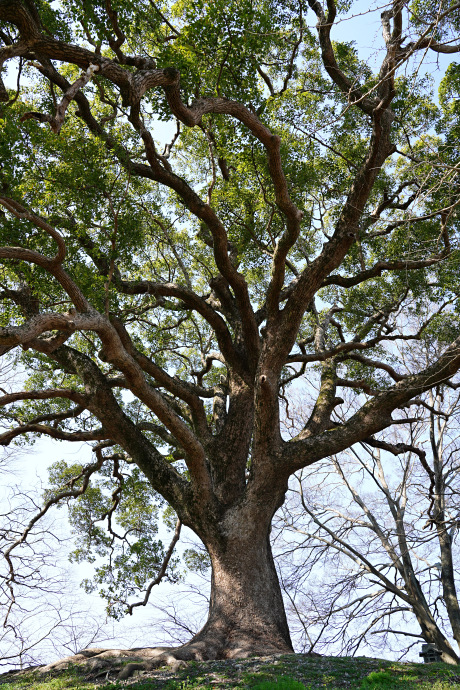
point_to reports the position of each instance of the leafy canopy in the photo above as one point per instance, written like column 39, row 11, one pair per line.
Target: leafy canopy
column 288, row 207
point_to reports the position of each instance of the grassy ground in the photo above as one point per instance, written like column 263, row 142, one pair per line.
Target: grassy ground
column 270, row 673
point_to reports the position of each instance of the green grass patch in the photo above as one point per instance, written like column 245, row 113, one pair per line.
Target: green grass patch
column 70, row 678
column 281, row 683
column 287, row 672
column 382, row 680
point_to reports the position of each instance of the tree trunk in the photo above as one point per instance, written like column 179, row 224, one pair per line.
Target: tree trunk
column 432, row 633
column 246, row 612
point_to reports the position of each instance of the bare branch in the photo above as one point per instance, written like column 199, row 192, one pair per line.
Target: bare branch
column 162, row 572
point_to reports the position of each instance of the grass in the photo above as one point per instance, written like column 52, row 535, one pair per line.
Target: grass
column 289, row 672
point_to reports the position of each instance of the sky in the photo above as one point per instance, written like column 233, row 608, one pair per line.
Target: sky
column 31, row 472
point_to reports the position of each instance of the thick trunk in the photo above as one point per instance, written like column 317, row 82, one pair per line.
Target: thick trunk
column 432, row 633
column 246, row 612
column 430, row 630
column 449, row 590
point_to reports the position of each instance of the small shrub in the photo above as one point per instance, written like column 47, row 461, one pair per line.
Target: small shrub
column 381, row 680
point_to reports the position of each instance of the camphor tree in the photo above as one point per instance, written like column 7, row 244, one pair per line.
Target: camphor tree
column 165, row 298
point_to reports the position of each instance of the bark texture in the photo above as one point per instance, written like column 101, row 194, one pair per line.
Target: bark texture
column 246, row 613
column 237, row 462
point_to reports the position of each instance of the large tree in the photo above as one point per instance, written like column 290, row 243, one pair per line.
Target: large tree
column 304, row 206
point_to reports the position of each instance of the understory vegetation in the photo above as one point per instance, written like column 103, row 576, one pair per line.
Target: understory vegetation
column 293, row 672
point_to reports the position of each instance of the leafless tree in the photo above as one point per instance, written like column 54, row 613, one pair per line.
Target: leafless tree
column 368, row 539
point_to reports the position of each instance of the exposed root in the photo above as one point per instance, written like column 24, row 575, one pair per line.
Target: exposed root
column 98, row 662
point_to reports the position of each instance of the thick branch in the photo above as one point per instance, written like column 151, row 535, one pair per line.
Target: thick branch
column 52, row 432
column 380, row 267
column 53, row 265
column 186, row 392
column 350, row 89
column 197, row 303
column 46, row 394
column 57, row 121
column 375, row 415
column 20, row 212
column 104, row 406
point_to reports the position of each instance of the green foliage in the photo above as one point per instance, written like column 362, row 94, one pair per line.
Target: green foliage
column 125, row 233
column 128, row 542
column 384, row 680
column 197, row 561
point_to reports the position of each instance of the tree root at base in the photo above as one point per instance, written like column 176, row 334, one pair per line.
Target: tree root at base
column 124, row 663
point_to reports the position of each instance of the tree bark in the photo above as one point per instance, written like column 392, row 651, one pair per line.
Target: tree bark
column 440, row 469
column 432, row 633
column 246, row 612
